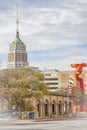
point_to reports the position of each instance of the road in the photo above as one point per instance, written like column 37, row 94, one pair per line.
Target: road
column 69, row 124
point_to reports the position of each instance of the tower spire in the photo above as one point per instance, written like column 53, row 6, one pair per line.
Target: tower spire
column 17, row 20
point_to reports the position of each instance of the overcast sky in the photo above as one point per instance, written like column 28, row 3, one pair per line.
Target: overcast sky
column 54, row 31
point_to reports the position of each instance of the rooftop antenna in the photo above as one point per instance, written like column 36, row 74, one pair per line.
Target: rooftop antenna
column 17, row 21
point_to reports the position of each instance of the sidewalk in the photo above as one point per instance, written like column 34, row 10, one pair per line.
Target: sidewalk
column 33, row 121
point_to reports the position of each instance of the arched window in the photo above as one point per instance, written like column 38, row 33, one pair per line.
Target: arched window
column 65, row 107
column 38, row 107
column 53, row 107
column 60, row 108
column 46, row 108
column 70, row 107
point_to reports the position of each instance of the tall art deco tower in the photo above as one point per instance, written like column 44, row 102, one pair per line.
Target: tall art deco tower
column 17, row 55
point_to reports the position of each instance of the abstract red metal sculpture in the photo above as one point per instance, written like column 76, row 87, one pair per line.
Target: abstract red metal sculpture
column 77, row 73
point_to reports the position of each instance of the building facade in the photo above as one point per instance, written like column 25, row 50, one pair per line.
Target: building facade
column 54, row 106
column 51, row 79
column 60, row 80
column 66, row 78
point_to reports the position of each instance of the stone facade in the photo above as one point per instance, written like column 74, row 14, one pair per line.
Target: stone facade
column 53, row 106
column 65, row 78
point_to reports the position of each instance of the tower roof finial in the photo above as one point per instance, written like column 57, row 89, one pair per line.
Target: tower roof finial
column 17, row 21
column 17, row 39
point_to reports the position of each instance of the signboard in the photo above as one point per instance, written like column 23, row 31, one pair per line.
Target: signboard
column 82, row 107
column 69, row 89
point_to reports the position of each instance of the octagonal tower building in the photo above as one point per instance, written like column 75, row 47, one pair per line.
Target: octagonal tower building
column 17, row 55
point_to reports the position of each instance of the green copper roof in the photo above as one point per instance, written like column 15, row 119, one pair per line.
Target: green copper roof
column 17, row 39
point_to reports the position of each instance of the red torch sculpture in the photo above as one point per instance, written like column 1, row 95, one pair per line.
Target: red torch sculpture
column 77, row 73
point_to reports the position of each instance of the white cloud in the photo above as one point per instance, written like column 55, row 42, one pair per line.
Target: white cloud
column 46, row 25
column 3, row 65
